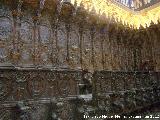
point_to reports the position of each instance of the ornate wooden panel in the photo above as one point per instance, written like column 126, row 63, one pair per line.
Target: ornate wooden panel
column 129, row 81
column 120, row 92
column 18, row 85
column 26, row 93
column 105, row 81
column 5, row 87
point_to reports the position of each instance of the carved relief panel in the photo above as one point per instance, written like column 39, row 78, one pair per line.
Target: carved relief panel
column 62, row 43
column 16, row 85
column 87, row 51
column 26, row 36
column 74, row 49
column 5, row 35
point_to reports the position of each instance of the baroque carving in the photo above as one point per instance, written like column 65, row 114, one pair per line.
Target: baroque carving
column 5, row 88
column 36, row 86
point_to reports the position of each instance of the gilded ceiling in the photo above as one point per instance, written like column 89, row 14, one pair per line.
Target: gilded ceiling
column 123, row 14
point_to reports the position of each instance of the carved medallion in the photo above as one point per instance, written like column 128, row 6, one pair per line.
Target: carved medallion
column 36, row 86
column 64, row 85
column 67, row 85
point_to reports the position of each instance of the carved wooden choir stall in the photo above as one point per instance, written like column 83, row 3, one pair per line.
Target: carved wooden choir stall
column 61, row 61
